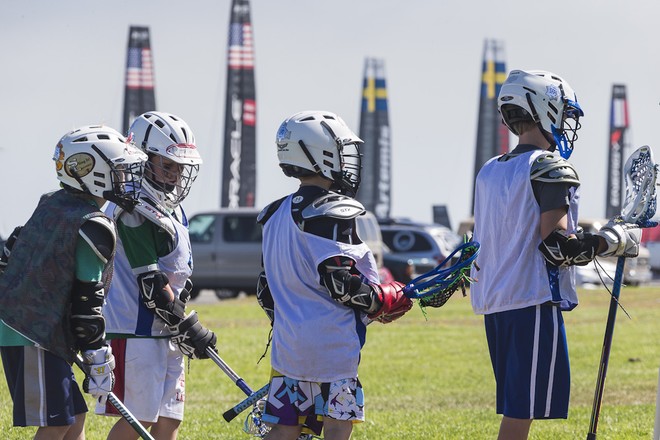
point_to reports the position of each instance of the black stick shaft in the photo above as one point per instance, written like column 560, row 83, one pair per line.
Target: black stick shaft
column 607, row 345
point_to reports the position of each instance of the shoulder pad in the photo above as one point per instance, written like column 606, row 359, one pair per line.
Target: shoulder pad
column 157, row 216
column 553, row 169
column 333, row 205
column 268, row 211
column 99, row 233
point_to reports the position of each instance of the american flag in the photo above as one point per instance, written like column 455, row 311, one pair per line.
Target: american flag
column 240, row 46
column 139, row 71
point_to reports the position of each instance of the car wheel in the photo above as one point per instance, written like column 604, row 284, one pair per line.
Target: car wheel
column 226, row 293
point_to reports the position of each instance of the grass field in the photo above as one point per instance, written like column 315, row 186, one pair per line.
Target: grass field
column 430, row 378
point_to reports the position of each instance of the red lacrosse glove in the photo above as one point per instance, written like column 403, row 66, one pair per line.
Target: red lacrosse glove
column 394, row 304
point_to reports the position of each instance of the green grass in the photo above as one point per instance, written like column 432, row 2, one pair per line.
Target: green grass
column 431, row 378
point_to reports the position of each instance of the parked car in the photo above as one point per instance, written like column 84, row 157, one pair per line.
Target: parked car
column 226, row 246
column 404, row 269
column 636, row 271
column 416, row 240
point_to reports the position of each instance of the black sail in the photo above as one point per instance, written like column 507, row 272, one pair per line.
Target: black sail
column 239, row 152
column 617, row 146
column 492, row 134
column 139, row 91
column 375, row 187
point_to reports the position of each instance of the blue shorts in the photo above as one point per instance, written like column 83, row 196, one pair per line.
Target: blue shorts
column 529, row 354
column 295, row 402
column 42, row 387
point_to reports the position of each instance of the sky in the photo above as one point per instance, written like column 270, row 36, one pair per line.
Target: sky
column 64, row 65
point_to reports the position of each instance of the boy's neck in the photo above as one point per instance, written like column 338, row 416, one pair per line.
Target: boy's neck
column 534, row 137
column 316, row 180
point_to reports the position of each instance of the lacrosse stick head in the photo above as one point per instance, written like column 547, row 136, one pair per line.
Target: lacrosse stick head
column 435, row 287
column 253, row 424
column 640, row 201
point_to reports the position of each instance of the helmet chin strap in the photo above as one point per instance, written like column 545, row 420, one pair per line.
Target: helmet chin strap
column 309, row 156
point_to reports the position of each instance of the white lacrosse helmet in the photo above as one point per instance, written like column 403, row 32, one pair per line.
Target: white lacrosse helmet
column 99, row 161
column 546, row 99
column 320, row 142
column 163, row 135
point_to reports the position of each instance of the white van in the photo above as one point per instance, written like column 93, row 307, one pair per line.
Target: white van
column 368, row 230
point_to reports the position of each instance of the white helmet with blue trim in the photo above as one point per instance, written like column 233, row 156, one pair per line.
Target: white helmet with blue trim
column 546, row 99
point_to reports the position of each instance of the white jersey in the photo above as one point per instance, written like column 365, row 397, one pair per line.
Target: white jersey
column 315, row 338
column 513, row 271
column 124, row 311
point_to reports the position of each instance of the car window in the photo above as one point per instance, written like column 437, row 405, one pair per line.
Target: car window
column 241, row 228
column 200, row 228
column 406, row 241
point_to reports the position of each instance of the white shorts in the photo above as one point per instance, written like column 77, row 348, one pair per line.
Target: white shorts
column 149, row 379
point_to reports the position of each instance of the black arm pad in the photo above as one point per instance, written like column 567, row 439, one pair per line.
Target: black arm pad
column 87, row 322
column 345, row 287
column 560, row 250
column 157, row 298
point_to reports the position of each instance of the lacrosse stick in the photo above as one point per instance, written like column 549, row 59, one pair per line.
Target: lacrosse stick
column 253, row 396
column 119, row 405
column 639, row 207
column 436, row 286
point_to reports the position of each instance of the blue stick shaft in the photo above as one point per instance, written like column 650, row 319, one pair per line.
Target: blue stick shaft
column 245, row 404
column 605, row 353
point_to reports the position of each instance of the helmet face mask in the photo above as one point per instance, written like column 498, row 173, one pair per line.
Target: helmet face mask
column 173, row 156
column 320, row 142
column 347, row 180
column 547, row 100
column 99, row 161
column 171, row 181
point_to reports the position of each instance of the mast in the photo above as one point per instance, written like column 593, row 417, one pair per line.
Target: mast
column 239, row 155
column 376, row 177
column 618, row 143
column 492, row 135
column 139, row 84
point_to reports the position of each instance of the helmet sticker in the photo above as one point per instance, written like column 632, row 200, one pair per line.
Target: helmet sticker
column 58, row 156
column 283, row 135
column 81, row 163
column 182, row 151
column 552, row 92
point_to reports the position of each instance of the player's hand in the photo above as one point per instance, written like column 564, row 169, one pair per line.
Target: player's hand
column 99, row 378
column 622, row 238
column 192, row 338
column 394, row 304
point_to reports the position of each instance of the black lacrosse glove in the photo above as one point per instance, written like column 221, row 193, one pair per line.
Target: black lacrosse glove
column 9, row 245
column 192, row 338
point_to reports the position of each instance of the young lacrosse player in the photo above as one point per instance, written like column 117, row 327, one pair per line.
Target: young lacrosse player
column 529, row 249
column 320, row 282
column 146, row 323
column 57, row 268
